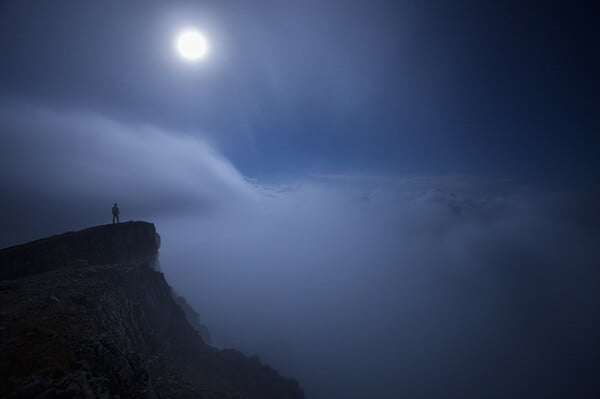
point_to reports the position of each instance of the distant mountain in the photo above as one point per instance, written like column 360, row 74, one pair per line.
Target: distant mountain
column 87, row 315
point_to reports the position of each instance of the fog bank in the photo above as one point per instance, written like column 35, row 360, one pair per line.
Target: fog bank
column 358, row 286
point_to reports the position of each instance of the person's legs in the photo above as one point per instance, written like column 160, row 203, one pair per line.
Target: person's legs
column 117, row 218
column 114, row 219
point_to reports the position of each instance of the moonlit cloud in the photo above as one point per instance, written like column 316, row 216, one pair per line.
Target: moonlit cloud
column 370, row 280
column 74, row 163
column 382, row 285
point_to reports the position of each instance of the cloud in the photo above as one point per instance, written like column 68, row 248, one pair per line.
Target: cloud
column 400, row 290
column 359, row 286
column 65, row 168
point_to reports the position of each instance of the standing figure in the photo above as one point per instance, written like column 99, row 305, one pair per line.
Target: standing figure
column 115, row 212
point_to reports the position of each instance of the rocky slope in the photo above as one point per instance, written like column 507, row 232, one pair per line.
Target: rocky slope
column 87, row 315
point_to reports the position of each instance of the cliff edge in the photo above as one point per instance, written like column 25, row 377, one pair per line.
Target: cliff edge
column 129, row 242
column 86, row 315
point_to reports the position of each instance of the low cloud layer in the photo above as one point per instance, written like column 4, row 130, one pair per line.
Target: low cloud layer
column 395, row 292
column 380, row 289
column 64, row 169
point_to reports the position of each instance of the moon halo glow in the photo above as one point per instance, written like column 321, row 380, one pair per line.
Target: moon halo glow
column 191, row 45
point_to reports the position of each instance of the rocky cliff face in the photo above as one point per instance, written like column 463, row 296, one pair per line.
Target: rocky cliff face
column 89, row 317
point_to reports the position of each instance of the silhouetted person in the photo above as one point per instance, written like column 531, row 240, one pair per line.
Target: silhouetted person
column 116, row 212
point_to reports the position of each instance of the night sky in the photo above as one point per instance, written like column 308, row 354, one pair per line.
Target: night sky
column 381, row 199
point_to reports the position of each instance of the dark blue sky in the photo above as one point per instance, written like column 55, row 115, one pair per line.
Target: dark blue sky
column 505, row 90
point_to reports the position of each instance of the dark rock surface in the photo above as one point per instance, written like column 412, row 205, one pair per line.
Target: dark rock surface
column 130, row 242
column 97, row 329
column 193, row 318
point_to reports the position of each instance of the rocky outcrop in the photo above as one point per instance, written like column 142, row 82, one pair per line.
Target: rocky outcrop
column 101, row 329
column 130, row 242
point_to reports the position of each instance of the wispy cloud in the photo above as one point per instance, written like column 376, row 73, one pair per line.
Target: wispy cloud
column 66, row 167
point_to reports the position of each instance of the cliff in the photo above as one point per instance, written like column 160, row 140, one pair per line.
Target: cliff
column 130, row 242
column 86, row 315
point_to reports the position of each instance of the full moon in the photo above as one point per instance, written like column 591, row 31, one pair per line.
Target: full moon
column 191, row 45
